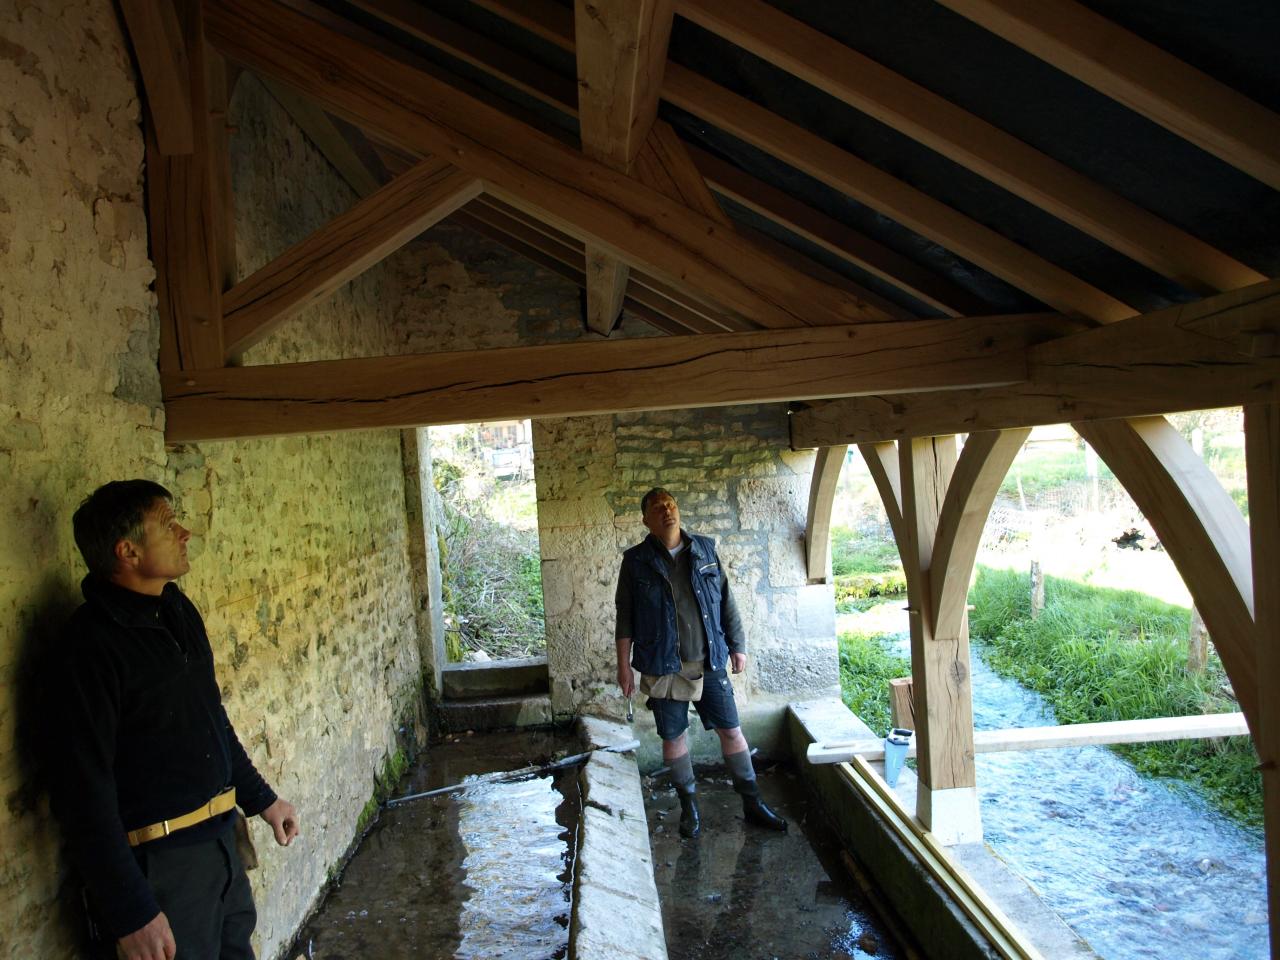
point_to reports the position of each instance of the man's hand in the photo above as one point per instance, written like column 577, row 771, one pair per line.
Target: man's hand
column 738, row 661
column 283, row 819
column 152, row 942
column 626, row 679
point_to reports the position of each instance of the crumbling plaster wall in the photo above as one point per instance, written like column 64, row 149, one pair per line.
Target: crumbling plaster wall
column 299, row 556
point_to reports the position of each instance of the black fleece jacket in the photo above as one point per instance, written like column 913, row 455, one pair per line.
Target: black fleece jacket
column 140, row 735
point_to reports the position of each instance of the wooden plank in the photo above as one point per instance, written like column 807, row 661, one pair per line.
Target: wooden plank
column 523, row 166
column 325, row 136
column 971, row 142
column 912, row 208
column 836, row 238
column 474, row 49
column 545, row 19
column 1220, row 352
column 184, row 231
column 1262, row 458
column 591, row 378
column 218, row 98
column 1139, row 75
column 665, row 162
column 1153, row 730
column 979, row 472
column 1201, row 528
column 822, row 495
column 373, row 229
column 606, row 279
column 902, row 704
column 155, row 33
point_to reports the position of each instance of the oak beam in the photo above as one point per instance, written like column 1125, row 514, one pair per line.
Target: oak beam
column 1199, row 525
column 834, row 237
column 1223, row 351
column 155, row 33
column 970, row 141
column 351, row 243
column 325, row 136
column 184, row 211
column 1262, row 458
column 593, row 378
column 1140, row 76
column 666, row 163
column 218, row 83
column 545, row 19
column 914, row 209
column 422, row 114
column 817, row 527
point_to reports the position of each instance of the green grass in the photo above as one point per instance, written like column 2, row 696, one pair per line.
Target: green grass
column 852, row 553
column 1043, row 470
column 1098, row 654
column 866, row 667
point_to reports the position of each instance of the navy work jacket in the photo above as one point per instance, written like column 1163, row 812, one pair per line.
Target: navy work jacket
column 655, row 648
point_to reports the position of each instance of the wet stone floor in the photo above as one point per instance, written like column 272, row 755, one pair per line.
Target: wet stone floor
column 738, row 892
column 482, row 873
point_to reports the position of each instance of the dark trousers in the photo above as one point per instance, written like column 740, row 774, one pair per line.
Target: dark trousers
column 204, row 892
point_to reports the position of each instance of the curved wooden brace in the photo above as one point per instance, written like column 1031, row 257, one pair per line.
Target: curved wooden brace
column 882, row 460
column 979, row 472
column 1199, row 525
column 822, row 493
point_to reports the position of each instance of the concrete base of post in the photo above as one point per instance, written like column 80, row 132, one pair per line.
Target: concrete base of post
column 951, row 815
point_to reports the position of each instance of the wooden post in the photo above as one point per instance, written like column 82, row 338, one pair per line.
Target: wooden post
column 1197, row 643
column 1037, row 590
column 902, row 706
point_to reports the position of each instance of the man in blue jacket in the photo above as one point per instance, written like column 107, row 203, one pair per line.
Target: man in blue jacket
column 148, row 770
column 678, row 625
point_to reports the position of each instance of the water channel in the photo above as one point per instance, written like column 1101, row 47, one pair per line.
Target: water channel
column 1140, row 868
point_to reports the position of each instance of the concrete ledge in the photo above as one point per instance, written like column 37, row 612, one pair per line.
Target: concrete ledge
column 495, row 713
column 939, row 926
column 616, row 912
column 500, row 678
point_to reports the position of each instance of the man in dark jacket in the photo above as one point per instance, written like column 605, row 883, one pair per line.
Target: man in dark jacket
column 678, row 625
column 147, row 768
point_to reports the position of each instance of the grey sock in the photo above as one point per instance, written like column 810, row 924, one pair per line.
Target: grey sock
column 740, row 768
column 682, row 773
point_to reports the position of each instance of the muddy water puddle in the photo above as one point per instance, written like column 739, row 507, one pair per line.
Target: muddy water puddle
column 481, row 873
column 737, row 892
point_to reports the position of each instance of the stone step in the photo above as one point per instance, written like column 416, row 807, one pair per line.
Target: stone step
column 495, row 713
column 525, row 676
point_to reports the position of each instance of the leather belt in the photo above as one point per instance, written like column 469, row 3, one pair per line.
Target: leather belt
column 220, row 804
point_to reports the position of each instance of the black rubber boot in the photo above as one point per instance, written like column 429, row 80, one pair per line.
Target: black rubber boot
column 690, row 822
column 755, row 810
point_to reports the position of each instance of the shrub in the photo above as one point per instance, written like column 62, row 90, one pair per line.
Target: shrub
column 867, row 664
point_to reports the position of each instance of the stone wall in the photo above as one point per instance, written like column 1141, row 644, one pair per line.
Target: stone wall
column 300, row 554
column 735, row 479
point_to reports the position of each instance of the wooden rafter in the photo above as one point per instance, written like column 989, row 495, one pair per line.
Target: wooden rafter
column 1139, row 75
column 1201, row 527
column 218, row 97
column 323, row 132
column 184, row 211
column 970, row 141
column 543, row 18
column 621, row 50
column 524, row 166
column 817, row 526
column 155, row 32
column 914, row 209
column 370, row 231
column 1223, row 351
column 597, row 377
column 834, row 237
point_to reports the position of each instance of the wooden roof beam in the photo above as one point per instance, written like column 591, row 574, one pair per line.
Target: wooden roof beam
column 324, row 134
column 1140, row 76
column 545, row 19
column 598, row 377
column 867, row 184
column 351, row 243
column 1220, row 352
column 970, row 141
column 155, row 32
column 621, row 50
column 519, row 164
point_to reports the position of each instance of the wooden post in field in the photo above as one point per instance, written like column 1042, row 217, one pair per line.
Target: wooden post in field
column 1197, row 643
column 1037, row 589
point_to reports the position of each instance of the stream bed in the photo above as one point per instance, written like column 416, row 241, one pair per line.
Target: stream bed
column 1138, row 867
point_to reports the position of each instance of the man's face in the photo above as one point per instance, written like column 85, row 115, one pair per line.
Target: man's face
column 162, row 555
column 662, row 516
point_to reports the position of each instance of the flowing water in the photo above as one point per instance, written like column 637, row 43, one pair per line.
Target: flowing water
column 1140, row 868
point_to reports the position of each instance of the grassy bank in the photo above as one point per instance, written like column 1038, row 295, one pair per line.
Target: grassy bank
column 866, row 667
column 1097, row 654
